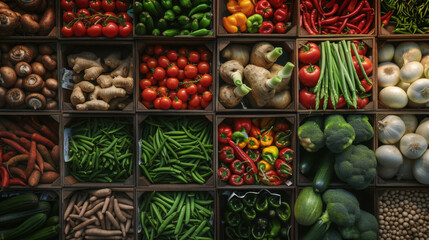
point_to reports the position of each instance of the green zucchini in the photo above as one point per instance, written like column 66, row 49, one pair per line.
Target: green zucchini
column 18, row 217
column 307, row 162
column 308, row 206
column 45, row 233
column 28, row 226
column 324, row 173
column 319, row 229
column 332, row 234
column 19, row 203
column 53, row 220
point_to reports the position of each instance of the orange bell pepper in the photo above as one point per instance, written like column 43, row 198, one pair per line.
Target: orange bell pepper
column 267, row 139
column 253, row 143
column 233, row 6
column 234, row 23
column 247, row 7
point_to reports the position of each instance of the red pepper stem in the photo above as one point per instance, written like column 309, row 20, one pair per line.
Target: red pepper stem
column 274, row 54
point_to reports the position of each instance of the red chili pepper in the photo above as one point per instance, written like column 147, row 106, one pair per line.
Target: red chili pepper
column 17, row 181
column 361, row 24
column 333, row 28
column 283, row 169
column 305, row 20
column 31, row 159
column 370, row 19
column 286, row 154
column 329, row 21
column 264, row 9
column 333, row 10
column 14, row 145
column 343, row 6
column 385, row 15
column 386, row 20
column 316, row 4
column 248, row 178
column 226, row 154
column 313, row 20
column 236, row 180
column 289, row 11
column 357, row 18
column 237, row 167
column 42, row 140
column 364, row 10
column 255, row 132
column 242, row 124
column 308, row 4
column 367, row 5
column 356, row 11
column 253, row 154
column 1, row 154
column 4, row 178
column 49, row 134
column 224, row 133
column 366, row 85
column 280, row 15
column 351, row 5
column 330, row 4
column 224, row 173
column 266, row 27
column 241, row 155
column 352, row 26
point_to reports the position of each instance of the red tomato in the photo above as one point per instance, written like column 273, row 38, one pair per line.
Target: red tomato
column 191, row 88
column 152, row 80
column 95, row 30
column 183, row 95
column 195, row 100
column 67, row 31
column 181, row 74
column 148, row 94
column 341, row 103
column 165, row 103
column 191, row 71
column 163, row 82
column 67, row 5
column 194, row 57
column 79, row 29
column 206, row 80
column 145, row 58
column 96, row 19
column 68, row 16
column 113, row 20
column 125, row 31
column 108, row 5
column 184, row 105
column 366, row 63
column 182, row 62
column 95, row 4
column 83, row 12
column 280, row 27
column 145, row 83
column 173, row 71
column 147, row 104
column 122, row 5
column 207, row 96
column 158, row 50
column 172, row 83
column 172, row 94
column 163, row 62
column 202, row 49
column 149, row 50
column 172, row 55
column 126, row 17
column 156, row 103
column 111, row 30
column 361, row 48
column 206, row 56
column 162, row 91
column 159, row 73
column 309, row 53
column 177, row 103
column 183, row 51
column 200, row 88
column 82, row 3
column 203, row 67
column 309, row 75
column 366, row 85
column 307, row 99
column 204, row 103
column 362, row 102
column 143, row 68
column 152, row 63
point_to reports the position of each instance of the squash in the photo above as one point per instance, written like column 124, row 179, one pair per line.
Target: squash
column 308, row 207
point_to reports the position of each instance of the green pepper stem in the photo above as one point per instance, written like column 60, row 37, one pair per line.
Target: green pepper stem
column 274, row 82
column 274, row 54
column 242, row 90
column 237, row 78
column 287, row 70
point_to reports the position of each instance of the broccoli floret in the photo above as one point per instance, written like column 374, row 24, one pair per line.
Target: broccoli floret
column 342, row 207
column 332, row 234
column 363, row 129
column 310, row 134
column 365, row 228
column 338, row 133
column 356, row 166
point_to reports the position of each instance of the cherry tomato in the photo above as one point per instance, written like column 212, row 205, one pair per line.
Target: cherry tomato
column 68, row 16
column 309, row 53
column 82, row 3
column 156, row 103
column 158, row 50
column 83, row 12
column 172, row 94
column 204, row 103
column 172, row 55
column 165, row 103
column 149, row 50
column 79, row 29
column 108, row 5
column 181, row 74
column 113, row 20
column 152, row 63
column 195, row 100
column 183, row 95
column 111, row 30
column 200, row 88
column 159, row 73
column 147, row 104
column 153, row 81
column 126, row 16
column 309, row 75
column 163, row 82
column 145, row 58
column 191, row 71
column 206, row 56
column 184, row 105
column 67, row 5
column 95, row 4
column 163, row 62
column 203, row 67
column 183, row 51
column 122, row 5
column 191, row 88
column 145, row 83
column 173, row 71
column 182, row 62
column 207, row 96
column 206, row 80
column 194, row 57
column 148, row 94
column 361, row 48
column 366, row 63
column 177, row 103
column 95, row 20
column 125, row 31
column 95, row 30
column 67, row 31
column 162, row 91
column 172, row 83
column 143, row 68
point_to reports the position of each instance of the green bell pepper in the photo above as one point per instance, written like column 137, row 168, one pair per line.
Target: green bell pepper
column 232, row 219
column 138, row 7
column 169, row 15
column 140, row 29
column 250, row 199
column 274, row 201
column 206, row 20
column 249, row 213
column 238, row 137
column 235, row 205
column 244, row 230
column 195, row 25
column 156, row 32
column 254, row 22
column 262, row 204
column 275, row 226
column 283, row 212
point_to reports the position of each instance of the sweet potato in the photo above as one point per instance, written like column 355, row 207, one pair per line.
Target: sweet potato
column 34, row 178
column 55, row 155
column 49, row 177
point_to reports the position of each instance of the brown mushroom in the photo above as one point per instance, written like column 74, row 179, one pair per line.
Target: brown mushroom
column 29, row 5
column 23, row 69
column 33, row 83
column 8, row 21
column 2, row 96
column 4, row 5
column 52, row 84
column 38, row 68
column 15, row 97
column 51, row 104
column 35, row 101
column 29, row 24
column 21, row 53
column 7, row 77
column 49, row 63
column 48, row 93
column 45, row 49
column 19, row 83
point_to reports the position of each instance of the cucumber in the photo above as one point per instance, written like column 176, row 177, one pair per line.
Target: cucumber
column 308, row 207
column 324, row 172
column 28, row 226
column 319, row 229
column 307, row 162
column 18, row 217
column 45, row 233
column 52, row 221
column 19, row 203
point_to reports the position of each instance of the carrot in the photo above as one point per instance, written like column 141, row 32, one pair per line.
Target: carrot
column 55, row 155
column 48, row 167
column 28, row 128
column 25, row 143
column 17, row 172
column 8, row 134
column 34, row 178
column 8, row 156
column 14, row 145
column 9, row 124
column 49, row 134
column 40, row 162
column 32, row 159
column 16, row 159
column 20, row 133
column 17, row 181
column 49, row 177
column 51, row 124
column 45, row 154
column 42, row 140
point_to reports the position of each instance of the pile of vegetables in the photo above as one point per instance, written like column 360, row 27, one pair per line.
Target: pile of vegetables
column 177, row 78
column 176, row 149
column 262, row 16
column 29, row 216
column 254, row 73
column 27, row 18
column 403, row 214
column 403, row 150
column 29, row 152
column 99, row 214
column 403, row 74
column 341, row 145
column 28, row 77
column 409, row 17
column 114, row 78
column 339, row 80
column 337, row 17
column 96, row 18
column 256, row 215
column 170, row 18
column 342, row 219
column 177, row 215
column 255, row 151
column 99, row 150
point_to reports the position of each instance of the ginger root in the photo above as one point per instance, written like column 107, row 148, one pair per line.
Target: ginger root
column 93, row 105
column 104, row 80
column 92, row 73
column 94, row 94
column 77, row 96
column 71, row 59
column 122, row 69
column 86, row 86
column 125, row 83
column 108, row 94
column 76, row 78
column 113, row 60
column 119, row 103
column 82, row 64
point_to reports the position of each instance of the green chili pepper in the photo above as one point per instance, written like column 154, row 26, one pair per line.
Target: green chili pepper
column 206, row 20
column 176, row 9
column 169, row 15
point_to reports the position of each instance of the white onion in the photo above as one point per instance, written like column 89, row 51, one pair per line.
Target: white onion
column 410, row 121
column 389, row 156
column 423, row 130
column 386, row 173
column 421, row 169
column 412, row 145
column 388, row 74
column 393, row 97
column 405, row 171
column 418, row 91
column 403, row 85
column 411, row 71
column 386, row 52
column 407, row 52
column 390, row 129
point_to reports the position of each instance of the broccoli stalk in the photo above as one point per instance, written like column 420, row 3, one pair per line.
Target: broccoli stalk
column 363, row 129
column 338, row 133
column 310, row 134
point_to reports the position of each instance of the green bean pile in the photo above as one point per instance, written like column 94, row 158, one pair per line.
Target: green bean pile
column 177, row 215
column 177, row 149
column 410, row 17
column 101, row 150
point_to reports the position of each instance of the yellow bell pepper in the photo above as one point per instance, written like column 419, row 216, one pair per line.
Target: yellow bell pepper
column 264, row 166
column 233, row 6
column 253, row 143
column 247, row 7
column 270, row 154
column 234, row 23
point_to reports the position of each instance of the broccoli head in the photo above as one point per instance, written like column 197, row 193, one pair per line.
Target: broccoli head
column 338, row 133
column 363, row 129
column 310, row 134
column 332, row 234
column 342, row 207
column 365, row 228
column 356, row 166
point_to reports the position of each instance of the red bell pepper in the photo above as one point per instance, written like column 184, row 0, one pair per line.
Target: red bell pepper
column 362, row 101
column 236, row 180
column 226, row 154
column 276, row 3
column 283, row 169
column 264, row 9
column 248, row 178
column 254, row 154
column 286, row 154
column 280, row 15
column 241, row 155
column 280, row 27
column 270, row 178
column 255, row 132
column 266, row 27
column 242, row 124
column 224, row 173
column 237, row 167
column 224, row 133
column 366, row 85
column 280, row 126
